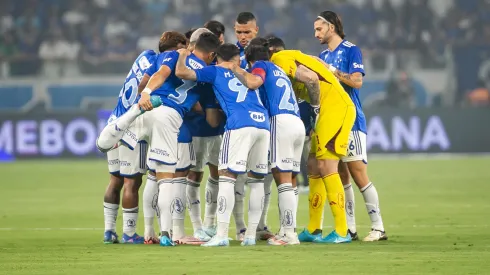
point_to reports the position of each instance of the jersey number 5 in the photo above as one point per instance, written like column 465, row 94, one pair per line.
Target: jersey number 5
column 182, row 91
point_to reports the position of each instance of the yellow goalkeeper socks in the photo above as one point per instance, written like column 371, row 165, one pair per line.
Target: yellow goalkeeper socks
column 336, row 199
column 316, row 199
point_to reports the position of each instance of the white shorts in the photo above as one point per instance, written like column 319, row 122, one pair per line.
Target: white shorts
column 207, row 151
column 244, row 150
column 160, row 127
column 287, row 140
column 186, row 158
column 356, row 149
column 127, row 162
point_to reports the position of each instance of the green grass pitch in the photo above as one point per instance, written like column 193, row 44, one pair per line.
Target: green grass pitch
column 436, row 212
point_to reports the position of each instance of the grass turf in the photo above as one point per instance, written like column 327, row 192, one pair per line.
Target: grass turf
column 436, row 214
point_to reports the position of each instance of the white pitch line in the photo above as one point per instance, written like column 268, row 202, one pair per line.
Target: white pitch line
column 189, row 228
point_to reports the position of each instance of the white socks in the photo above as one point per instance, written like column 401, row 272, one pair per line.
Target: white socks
column 212, row 188
column 372, row 206
column 226, row 201
column 150, row 207
column 178, row 207
column 350, row 206
column 193, row 195
column 295, row 211
column 110, row 216
column 238, row 209
column 287, row 202
column 254, row 205
column 130, row 217
column 112, row 133
column 165, row 198
column 267, row 200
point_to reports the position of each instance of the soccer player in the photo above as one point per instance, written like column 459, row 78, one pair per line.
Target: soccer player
column 245, row 142
column 246, row 29
column 287, row 131
column 161, row 127
column 127, row 166
column 335, row 117
column 344, row 60
column 217, row 28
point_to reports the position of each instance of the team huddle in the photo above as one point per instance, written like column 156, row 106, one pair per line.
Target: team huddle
column 248, row 111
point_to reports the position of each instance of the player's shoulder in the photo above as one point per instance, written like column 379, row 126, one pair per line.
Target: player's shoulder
column 349, row 46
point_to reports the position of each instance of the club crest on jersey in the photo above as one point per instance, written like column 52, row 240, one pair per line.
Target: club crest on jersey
column 257, row 116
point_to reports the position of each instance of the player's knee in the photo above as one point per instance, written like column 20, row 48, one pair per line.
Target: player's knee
column 213, row 171
column 255, row 176
column 312, row 165
column 132, row 184
column 226, row 173
column 358, row 170
column 327, row 166
column 344, row 173
column 115, row 183
column 182, row 174
column 195, row 176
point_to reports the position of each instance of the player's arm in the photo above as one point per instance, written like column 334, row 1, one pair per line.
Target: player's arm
column 143, row 83
column 311, row 81
column 353, row 77
column 353, row 80
column 181, row 70
column 154, row 82
column 213, row 117
column 251, row 80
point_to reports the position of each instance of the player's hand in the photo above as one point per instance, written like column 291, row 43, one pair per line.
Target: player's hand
column 184, row 52
column 144, row 102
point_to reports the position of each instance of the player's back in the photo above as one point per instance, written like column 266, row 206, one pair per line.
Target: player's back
column 129, row 92
column 243, row 107
column 330, row 87
column 176, row 93
column 276, row 92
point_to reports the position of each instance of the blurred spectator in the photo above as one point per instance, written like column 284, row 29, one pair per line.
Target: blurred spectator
column 479, row 96
column 400, row 92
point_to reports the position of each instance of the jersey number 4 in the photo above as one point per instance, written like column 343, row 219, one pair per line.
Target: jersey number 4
column 236, row 86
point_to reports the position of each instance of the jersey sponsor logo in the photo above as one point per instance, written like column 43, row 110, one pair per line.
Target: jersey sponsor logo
column 143, row 63
column 241, row 162
column 257, row 116
column 261, row 166
column 131, row 135
column 113, row 162
column 288, row 160
column 358, row 66
column 159, row 152
column 195, row 65
column 123, row 163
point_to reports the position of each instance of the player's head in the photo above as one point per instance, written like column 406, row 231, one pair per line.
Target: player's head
column 195, row 36
column 257, row 49
column 328, row 25
column 171, row 40
column 206, row 46
column 275, row 44
column 189, row 33
column 245, row 28
column 228, row 52
column 217, row 28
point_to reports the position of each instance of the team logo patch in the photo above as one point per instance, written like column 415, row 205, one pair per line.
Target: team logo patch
column 350, row 208
column 131, row 223
column 154, row 204
column 341, row 201
column 221, row 205
column 177, row 206
column 287, row 218
column 209, row 198
column 315, row 200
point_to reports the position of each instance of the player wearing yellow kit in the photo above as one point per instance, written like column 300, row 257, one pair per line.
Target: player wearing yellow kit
column 335, row 117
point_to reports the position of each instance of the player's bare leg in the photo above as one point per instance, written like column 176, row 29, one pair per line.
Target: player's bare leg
column 350, row 203
column 131, row 209
column 112, row 199
column 287, row 208
column 150, row 208
column 212, row 188
column 358, row 170
column 226, row 202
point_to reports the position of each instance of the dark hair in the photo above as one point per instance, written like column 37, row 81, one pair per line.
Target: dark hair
column 189, row 33
column 245, row 17
column 207, row 42
column 258, row 41
column 227, row 51
column 257, row 52
column 215, row 27
column 276, row 42
column 170, row 40
column 333, row 19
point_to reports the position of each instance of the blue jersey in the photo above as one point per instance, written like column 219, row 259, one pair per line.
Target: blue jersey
column 347, row 58
column 176, row 93
column 277, row 91
column 306, row 113
column 197, row 123
column 242, row 107
column 184, row 134
column 243, row 61
column 129, row 92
